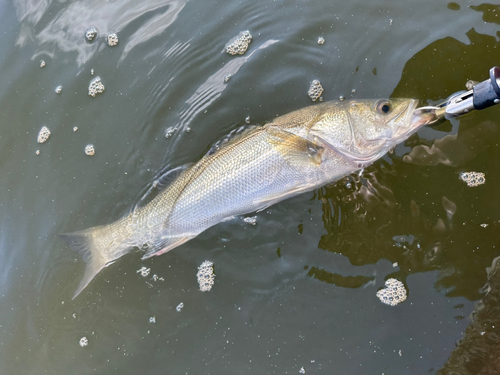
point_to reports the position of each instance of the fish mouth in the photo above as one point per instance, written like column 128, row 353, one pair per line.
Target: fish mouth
column 424, row 116
column 404, row 116
column 414, row 118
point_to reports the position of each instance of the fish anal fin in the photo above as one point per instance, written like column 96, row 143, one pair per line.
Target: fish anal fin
column 165, row 244
column 295, row 150
column 269, row 200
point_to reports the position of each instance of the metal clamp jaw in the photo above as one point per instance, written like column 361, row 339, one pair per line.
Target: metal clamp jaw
column 482, row 95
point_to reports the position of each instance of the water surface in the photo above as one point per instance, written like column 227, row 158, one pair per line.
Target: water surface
column 295, row 290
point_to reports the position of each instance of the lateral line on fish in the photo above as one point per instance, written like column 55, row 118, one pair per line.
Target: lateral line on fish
column 351, row 128
column 201, row 167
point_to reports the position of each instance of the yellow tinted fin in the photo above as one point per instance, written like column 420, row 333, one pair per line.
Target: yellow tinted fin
column 295, row 150
column 165, row 244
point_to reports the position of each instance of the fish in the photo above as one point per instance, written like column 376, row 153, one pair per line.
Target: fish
column 295, row 153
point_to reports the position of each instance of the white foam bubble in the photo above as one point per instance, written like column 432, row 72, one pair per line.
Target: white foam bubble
column 321, row 40
column 89, row 150
column 473, row 179
column 315, row 90
column 96, row 87
column 206, row 276
column 144, row 271
column 37, row 152
column 112, row 40
column 239, row 44
column 75, row 128
column 58, row 89
column 393, row 293
column 91, row 34
column 43, row 134
column 169, row 132
column 179, row 307
column 42, row 63
column 84, row 342
column 251, row 220
column 152, row 319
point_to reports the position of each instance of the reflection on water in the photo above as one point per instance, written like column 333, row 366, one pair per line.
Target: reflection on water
column 296, row 284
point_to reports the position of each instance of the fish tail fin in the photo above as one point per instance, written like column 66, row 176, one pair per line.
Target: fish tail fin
column 99, row 247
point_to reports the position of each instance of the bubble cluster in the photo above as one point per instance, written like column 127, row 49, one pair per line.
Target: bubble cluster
column 42, row 63
column 43, row 134
column 96, row 87
column 91, row 34
column 112, row 40
column 302, row 370
column 89, row 150
column 239, row 44
column 169, row 132
column 227, row 77
column 152, row 319
column 393, row 293
column 144, row 271
column 84, row 342
column 473, row 178
column 315, row 90
column 58, row 89
column 251, row 220
column 206, row 276
column 179, row 307
column 321, row 40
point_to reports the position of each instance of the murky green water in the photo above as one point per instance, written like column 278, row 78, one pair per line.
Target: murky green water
column 297, row 289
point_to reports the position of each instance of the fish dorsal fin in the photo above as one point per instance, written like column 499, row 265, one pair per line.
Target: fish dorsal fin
column 231, row 138
column 295, row 150
column 165, row 178
column 162, row 180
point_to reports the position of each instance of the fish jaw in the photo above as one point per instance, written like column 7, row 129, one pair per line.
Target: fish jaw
column 416, row 119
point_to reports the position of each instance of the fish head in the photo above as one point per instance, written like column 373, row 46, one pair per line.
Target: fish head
column 364, row 130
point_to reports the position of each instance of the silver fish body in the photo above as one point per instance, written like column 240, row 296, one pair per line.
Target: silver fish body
column 297, row 152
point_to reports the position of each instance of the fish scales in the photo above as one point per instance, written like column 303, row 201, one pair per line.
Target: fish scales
column 297, row 152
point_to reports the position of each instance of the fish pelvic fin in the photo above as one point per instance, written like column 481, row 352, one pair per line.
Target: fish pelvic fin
column 99, row 247
column 166, row 244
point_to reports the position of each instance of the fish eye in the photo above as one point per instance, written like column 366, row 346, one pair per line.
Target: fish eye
column 384, row 107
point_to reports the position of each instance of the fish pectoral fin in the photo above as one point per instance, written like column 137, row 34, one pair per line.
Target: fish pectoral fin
column 165, row 244
column 295, row 150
